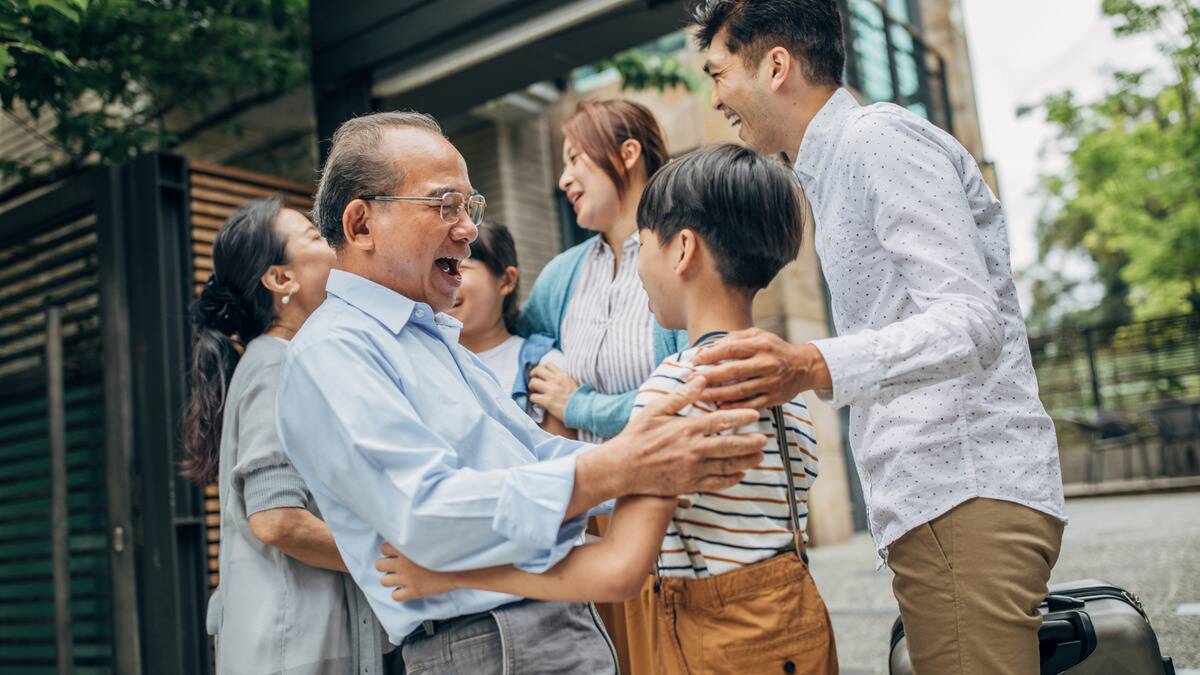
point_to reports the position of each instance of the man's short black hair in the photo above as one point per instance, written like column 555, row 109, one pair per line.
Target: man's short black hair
column 746, row 207
column 810, row 29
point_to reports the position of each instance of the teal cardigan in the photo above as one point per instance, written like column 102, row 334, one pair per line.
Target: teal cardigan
column 603, row 414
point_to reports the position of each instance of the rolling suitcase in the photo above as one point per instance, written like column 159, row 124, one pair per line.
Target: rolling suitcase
column 1088, row 627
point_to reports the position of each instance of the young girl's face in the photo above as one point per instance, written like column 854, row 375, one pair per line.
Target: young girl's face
column 480, row 302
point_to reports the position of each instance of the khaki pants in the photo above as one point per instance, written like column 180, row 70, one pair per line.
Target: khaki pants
column 765, row 618
column 969, row 584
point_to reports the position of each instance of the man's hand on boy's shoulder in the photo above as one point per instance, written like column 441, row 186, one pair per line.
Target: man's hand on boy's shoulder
column 754, row 368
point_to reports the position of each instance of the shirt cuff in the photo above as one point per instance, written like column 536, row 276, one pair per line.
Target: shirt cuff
column 853, row 368
column 531, row 507
column 578, row 414
column 603, row 508
column 273, row 487
column 571, row 534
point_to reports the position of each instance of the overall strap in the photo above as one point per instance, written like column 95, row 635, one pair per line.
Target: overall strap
column 704, row 340
column 785, row 457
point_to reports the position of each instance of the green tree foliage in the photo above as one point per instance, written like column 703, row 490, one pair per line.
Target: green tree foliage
column 654, row 65
column 1129, row 197
column 120, row 77
column 641, row 70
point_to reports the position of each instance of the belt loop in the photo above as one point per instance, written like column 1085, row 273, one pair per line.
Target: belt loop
column 427, row 626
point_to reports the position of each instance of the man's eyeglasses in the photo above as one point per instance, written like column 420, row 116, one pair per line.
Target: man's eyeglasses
column 453, row 204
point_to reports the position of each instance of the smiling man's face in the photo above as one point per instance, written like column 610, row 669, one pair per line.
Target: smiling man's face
column 742, row 93
column 419, row 253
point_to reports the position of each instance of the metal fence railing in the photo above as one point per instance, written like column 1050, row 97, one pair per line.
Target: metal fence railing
column 1089, row 377
column 1122, row 367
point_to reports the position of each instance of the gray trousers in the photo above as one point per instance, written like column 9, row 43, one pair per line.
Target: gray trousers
column 525, row 638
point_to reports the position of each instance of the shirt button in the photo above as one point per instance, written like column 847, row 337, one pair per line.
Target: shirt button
column 420, row 314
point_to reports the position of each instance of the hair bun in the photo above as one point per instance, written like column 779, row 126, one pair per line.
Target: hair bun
column 219, row 308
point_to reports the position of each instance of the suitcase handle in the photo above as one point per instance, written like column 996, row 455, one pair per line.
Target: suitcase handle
column 1065, row 640
column 1059, row 603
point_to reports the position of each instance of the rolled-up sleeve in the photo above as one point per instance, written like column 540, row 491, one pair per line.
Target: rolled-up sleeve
column 914, row 196
column 346, row 421
column 274, row 487
column 263, row 477
column 603, row 414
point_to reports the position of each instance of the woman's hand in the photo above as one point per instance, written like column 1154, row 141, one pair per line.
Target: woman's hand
column 551, row 388
column 410, row 580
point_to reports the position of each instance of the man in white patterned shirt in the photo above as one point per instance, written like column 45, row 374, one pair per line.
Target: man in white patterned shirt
column 958, row 459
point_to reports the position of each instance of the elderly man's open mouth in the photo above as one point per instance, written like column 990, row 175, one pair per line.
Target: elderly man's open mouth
column 451, row 267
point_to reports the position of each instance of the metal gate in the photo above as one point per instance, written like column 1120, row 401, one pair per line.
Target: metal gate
column 104, row 550
column 55, row 572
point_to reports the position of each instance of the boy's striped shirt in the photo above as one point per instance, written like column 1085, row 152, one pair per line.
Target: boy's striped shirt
column 747, row 523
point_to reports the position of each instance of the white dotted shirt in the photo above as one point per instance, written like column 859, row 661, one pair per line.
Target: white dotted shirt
column 932, row 355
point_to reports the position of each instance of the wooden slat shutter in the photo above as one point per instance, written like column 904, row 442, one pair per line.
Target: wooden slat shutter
column 55, row 262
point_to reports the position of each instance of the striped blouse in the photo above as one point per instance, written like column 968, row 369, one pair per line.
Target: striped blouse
column 722, row 531
column 608, row 330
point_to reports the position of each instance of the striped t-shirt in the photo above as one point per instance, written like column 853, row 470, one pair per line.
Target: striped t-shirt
column 723, row 531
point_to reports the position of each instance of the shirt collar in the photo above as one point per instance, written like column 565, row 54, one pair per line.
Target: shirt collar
column 821, row 132
column 388, row 307
column 632, row 241
column 711, row 336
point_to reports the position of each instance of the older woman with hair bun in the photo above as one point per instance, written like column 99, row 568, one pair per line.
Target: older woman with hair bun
column 284, row 604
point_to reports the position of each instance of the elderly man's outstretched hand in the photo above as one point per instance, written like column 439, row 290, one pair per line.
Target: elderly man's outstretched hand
column 667, row 454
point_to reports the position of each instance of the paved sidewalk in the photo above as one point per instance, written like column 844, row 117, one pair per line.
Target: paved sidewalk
column 1149, row 544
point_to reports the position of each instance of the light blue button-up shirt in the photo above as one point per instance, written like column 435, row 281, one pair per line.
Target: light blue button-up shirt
column 405, row 436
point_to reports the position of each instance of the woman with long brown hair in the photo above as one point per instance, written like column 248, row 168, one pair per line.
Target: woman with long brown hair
column 284, row 604
column 589, row 299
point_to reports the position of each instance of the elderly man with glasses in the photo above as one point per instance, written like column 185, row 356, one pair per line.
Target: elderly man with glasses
column 405, row 438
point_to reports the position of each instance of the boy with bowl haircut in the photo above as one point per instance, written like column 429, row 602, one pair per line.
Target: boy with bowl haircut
column 716, row 227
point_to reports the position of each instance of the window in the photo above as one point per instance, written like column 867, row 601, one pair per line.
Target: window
column 869, row 46
column 888, row 61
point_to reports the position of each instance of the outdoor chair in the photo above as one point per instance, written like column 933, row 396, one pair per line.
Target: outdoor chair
column 1106, row 432
column 1178, row 424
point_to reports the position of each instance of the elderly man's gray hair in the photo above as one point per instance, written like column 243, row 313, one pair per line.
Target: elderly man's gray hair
column 356, row 167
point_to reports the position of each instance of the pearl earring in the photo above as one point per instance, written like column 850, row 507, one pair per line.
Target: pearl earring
column 288, row 298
